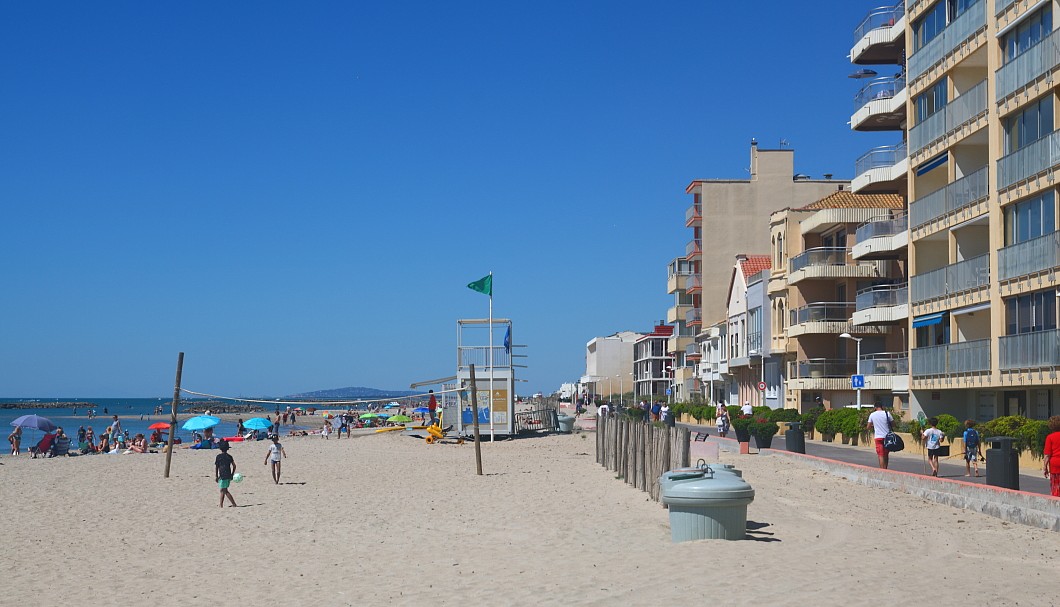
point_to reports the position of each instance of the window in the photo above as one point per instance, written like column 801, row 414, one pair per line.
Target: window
column 1030, row 312
column 1030, row 125
column 1030, row 218
column 935, row 334
column 929, row 25
column 931, row 101
column 754, row 330
column 1029, row 32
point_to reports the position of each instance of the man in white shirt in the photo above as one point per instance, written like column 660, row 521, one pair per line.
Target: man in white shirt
column 880, row 421
column 746, row 409
column 603, row 410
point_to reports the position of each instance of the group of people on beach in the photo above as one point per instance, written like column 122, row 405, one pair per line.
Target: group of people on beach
column 57, row 443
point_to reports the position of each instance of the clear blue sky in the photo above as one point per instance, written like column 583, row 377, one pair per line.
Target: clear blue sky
column 296, row 194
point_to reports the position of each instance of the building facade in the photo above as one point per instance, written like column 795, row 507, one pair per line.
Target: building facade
column 608, row 364
column 653, row 366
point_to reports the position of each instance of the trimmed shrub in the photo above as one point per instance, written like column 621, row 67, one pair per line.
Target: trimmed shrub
column 784, row 415
column 949, row 426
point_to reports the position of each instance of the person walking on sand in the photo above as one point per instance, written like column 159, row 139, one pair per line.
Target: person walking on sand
column 880, row 421
column 15, row 438
column 273, row 456
column 224, row 468
column 432, row 407
column 932, row 441
column 1051, row 456
column 973, row 450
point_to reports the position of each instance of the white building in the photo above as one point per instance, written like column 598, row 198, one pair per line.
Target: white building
column 609, row 364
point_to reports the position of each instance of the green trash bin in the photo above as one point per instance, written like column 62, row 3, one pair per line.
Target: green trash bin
column 711, row 508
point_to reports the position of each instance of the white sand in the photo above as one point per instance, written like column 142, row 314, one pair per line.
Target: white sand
column 386, row 519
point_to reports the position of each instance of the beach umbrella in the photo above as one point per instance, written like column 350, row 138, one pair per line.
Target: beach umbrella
column 400, row 419
column 257, row 423
column 421, row 410
column 371, row 415
column 34, row 421
column 201, row 422
column 158, row 426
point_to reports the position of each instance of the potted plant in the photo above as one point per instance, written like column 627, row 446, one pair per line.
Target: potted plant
column 809, row 420
column 740, row 425
column 763, row 429
column 849, row 421
column 827, row 424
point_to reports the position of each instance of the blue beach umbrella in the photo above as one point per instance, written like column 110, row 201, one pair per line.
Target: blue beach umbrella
column 34, row 421
column 421, row 410
column 201, row 422
column 257, row 423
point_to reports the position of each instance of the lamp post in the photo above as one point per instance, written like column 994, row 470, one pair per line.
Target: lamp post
column 633, row 388
column 621, row 394
column 761, row 376
column 670, row 397
column 610, row 393
column 857, row 361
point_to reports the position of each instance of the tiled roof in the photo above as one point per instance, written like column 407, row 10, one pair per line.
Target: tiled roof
column 845, row 199
column 754, row 264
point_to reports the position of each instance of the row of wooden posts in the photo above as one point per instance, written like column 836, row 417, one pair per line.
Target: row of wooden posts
column 640, row 452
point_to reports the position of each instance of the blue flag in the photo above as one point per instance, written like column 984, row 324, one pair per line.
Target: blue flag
column 508, row 341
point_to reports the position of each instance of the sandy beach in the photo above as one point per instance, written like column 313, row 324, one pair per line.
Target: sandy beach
column 386, row 519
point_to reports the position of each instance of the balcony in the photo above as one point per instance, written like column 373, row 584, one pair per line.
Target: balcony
column 1039, row 254
column 881, row 305
column 693, row 250
column 881, row 169
column 880, row 105
column 826, row 219
column 1033, row 160
column 956, row 34
column 816, row 318
column 1001, row 5
column 693, row 214
column 695, row 284
column 1034, row 63
column 967, row 275
column 885, row 371
column 957, row 114
column 962, row 358
column 677, row 313
column 830, row 263
column 692, row 352
column 1026, row 351
column 821, row 374
column 879, row 38
column 881, row 237
column 694, row 318
column 961, row 194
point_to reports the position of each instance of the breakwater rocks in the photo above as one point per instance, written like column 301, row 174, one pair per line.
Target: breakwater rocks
column 217, row 407
column 47, row 405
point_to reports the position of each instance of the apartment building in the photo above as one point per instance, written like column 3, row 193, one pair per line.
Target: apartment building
column 685, row 284
column 653, row 367
column 979, row 162
column 609, row 364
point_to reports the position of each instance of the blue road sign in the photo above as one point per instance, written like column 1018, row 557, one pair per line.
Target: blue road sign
column 857, row 381
column 668, row 392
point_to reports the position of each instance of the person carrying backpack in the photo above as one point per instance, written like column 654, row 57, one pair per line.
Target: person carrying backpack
column 973, row 450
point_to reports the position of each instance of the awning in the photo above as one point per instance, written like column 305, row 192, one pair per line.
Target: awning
column 932, row 164
column 928, row 320
column 970, row 309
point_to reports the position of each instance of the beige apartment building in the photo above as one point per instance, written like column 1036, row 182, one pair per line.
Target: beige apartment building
column 977, row 154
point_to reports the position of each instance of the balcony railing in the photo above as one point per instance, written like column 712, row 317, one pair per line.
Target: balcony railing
column 695, row 284
column 1037, row 157
column 693, row 351
column 694, row 316
column 886, row 363
column 951, row 359
column 479, row 356
column 882, row 227
column 956, row 33
column 822, row 367
column 1029, row 65
column 1030, row 350
column 952, row 279
column 822, row 312
column 880, row 297
column 1030, row 256
column 950, row 118
column 884, row 16
column 877, row 89
column 693, row 248
column 680, row 267
column 692, row 213
column 1001, row 5
column 821, row 256
column 964, row 192
column 883, row 156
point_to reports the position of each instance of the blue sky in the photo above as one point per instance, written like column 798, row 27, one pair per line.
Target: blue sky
column 296, row 194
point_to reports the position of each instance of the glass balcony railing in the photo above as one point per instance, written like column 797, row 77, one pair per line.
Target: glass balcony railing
column 878, row 88
column 883, row 156
column 695, row 284
column 823, row 367
column 886, row 363
column 951, row 359
column 956, row 33
column 1027, row 66
column 821, row 256
column 822, row 312
column 964, row 192
column 1001, row 5
column 1028, row 257
column 693, row 248
column 692, row 213
column 960, row 111
column 1035, row 158
column 952, row 279
column 876, row 228
column 693, row 351
column 1030, row 350
column 882, row 297
column 884, row 16
column 694, row 316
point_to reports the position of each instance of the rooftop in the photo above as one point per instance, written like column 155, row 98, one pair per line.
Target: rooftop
column 845, row 199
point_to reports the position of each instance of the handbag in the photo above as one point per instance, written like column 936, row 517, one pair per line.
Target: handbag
column 891, row 441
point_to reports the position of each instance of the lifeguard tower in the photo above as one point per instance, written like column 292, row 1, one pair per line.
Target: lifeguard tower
column 494, row 378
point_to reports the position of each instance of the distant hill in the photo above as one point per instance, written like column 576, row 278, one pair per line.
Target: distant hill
column 354, row 392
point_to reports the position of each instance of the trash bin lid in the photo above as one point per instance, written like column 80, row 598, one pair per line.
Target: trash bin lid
column 721, row 487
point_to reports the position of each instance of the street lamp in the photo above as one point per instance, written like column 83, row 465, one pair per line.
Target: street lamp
column 670, row 389
column 857, row 361
column 610, row 393
column 762, row 376
column 621, row 394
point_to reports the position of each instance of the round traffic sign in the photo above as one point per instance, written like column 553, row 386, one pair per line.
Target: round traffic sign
column 761, row 386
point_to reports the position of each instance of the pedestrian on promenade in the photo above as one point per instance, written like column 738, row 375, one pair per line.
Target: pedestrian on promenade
column 880, row 421
column 224, row 468
column 1052, row 455
column 723, row 421
column 932, row 441
column 973, row 449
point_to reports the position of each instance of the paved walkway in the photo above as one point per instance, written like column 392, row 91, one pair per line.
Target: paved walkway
column 949, row 468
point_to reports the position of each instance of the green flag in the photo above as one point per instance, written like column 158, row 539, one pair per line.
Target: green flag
column 483, row 285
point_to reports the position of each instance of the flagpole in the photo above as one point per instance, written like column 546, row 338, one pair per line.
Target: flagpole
column 491, row 357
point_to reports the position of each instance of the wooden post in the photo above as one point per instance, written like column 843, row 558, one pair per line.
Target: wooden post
column 173, row 413
column 474, row 412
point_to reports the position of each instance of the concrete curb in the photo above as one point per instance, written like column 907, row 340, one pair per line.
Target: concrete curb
column 1031, row 509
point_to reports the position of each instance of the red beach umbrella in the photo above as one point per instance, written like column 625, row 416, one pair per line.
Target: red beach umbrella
column 158, row 426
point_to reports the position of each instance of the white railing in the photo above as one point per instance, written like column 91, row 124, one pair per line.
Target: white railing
column 1030, row 350
column 879, row 18
column 960, row 111
column 952, row 279
column 883, row 156
column 881, row 227
column 956, row 33
column 1028, row 257
column 1025, row 163
column 877, row 89
column 880, row 297
column 479, row 356
column 1028, row 65
column 962, row 193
